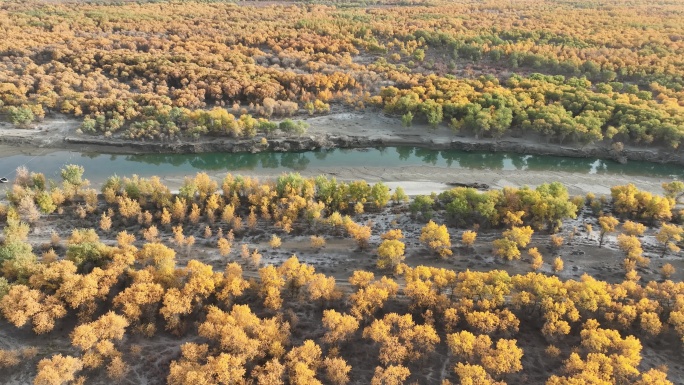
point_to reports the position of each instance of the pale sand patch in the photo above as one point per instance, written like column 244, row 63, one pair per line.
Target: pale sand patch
column 595, row 188
column 422, row 180
column 501, row 183
column 418, row 188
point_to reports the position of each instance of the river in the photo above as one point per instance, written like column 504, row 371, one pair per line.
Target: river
column 417, row 170
column 100, row 165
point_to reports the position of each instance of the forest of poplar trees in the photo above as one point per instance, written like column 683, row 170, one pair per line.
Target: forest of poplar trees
column 312, row 280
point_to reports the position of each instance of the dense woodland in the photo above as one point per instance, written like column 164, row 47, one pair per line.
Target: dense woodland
column 568, row 71
column 143, row 274
column 210, row 284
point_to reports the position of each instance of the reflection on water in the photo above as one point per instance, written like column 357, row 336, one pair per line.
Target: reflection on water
column 102, row 165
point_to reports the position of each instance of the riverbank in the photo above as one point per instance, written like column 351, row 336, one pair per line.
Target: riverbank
column 417, row 171
column 423, row 180
column 342, row 130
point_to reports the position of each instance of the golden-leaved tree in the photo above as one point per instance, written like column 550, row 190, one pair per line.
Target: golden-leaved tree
column 505, row 357
column 607, row 224
column 21, row 305
column 437, row 238
column 390, row 253
column 669, row 235
column 140, row 301
column 243, row 334
column 199, row 282
column 400, row 339
column 370, row 295
column 296, row 274
column 58, row 369
column 302, row 363
column 339, row 327
column 608, row 358
column 233, row 284
column 97, row 341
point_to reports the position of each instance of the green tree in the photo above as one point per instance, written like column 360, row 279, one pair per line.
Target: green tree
column 73, row 174
column 407, row 119
column 20, row 116
column 433, row 112
column 674, row 189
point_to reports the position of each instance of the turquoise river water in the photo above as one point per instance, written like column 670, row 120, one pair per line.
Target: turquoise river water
column 98, row 165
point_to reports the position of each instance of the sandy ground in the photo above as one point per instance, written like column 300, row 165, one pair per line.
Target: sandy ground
column 49, row 132
column 426, row 179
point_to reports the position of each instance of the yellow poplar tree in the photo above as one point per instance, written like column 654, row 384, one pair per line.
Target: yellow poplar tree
column 392, row 375
column 437, row 238
column 607, row 224
column 390, row 253
column 537, row 259
column 468, row 238
column 57, row 369
column 336, row 370
column 339, row 326
column 668, row 235
column 271, row 284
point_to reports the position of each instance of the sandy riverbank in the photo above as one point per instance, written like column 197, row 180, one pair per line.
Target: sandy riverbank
column 417, row 180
